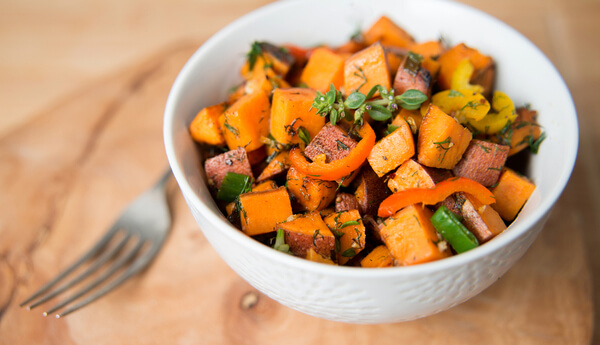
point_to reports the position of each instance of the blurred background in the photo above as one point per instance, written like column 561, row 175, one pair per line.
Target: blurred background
column 52, row 50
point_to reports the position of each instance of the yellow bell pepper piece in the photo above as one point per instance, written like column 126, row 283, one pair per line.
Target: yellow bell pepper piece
column 464, row 105
column 462, row 76
column 504, row 113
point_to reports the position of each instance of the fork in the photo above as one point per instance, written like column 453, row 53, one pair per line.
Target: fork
column 144, row 225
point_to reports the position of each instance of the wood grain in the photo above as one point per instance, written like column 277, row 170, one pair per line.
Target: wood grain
column 67, row 170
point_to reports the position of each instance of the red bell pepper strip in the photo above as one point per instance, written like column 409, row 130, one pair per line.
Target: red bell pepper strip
column 431, row 196
column 338, row 168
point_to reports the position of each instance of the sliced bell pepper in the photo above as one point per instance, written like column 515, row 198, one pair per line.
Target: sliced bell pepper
column 452, row 230
column 431, row 196
column 464, row 105
column 504, row 113
column 338, row 168
column 462, row 76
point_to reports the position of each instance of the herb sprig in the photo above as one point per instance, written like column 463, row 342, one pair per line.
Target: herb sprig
column 334, row 105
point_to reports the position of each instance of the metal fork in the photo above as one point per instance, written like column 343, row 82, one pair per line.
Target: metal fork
column 142, row 228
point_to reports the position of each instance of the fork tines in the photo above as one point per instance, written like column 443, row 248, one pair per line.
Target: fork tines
column 114, row 253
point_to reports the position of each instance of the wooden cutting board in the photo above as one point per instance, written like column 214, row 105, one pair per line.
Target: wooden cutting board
column 67, row 174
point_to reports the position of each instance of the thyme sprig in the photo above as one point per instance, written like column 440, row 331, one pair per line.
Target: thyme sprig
column 334, row 105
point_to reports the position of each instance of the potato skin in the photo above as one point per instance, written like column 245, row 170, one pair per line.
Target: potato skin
column 482, row 161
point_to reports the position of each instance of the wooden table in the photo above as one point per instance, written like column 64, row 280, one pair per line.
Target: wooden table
column 82, row 88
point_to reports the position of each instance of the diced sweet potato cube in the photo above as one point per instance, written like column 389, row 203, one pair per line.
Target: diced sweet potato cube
column 310, row 193
column 353, row 239
column 331, row 141
column 290, row 111
column 246, row 121
column 378, row 257
column 450, row 59
column 370, row 191
column 311, row 255
column 345, row 202
column 412, row 117
column 392, row 150
column 394, row 57
column 411, row 238
column 278, row 165
column 482, row 162
column 231, row 161
column 366, row 69
column 454, row 203
column 324, row 67
column 236, row 93
column 255, row 220
column 411, row 75
column 432, row 66
column 442, row 140
column 261, row 82
column 511, row 193
column 350, row 47
column 482, row 220
column 308, row 231
column 205, row 127
column 410, row 175
column 270, row 58
column 384, row 30
column 265, row 185
column 521, row 132
column 327, row 211
column 429, row 49
column 257, row 156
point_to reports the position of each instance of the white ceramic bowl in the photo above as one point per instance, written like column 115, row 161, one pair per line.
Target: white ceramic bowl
column 372, row 295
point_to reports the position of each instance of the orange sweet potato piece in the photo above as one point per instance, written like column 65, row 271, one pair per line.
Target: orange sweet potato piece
column 411, row 238
column 311, row 255
column 412, row 117
column 254, row 219
column 511, row 193
column 345, row 202
column 429, row 49
column 482, row 220
column 482, row 162
column 366, row 69
column 450, row 59
column 257, row 156
column 353, row 239
column 385, row 31
column 324, row 67
column 432, row 66
column 278, row 165
column 260, row 82
column 310, row 193
column 394, row 57
column 290, row 110
column 411, row 75
column 217, row 167
column 392, row 150
column 378, row 257
column 370, row 191
column 524, row 127
column 410, row 175
column 205, row 127
column 272, row 60
column 350, row 47
column 265, row 185
column 308, row 231
column 442, row 140
column 246, row 121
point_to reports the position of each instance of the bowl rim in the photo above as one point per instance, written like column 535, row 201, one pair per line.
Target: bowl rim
column 291, row 261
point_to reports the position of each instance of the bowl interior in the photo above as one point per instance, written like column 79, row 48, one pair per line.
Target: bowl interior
column 523, row 72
